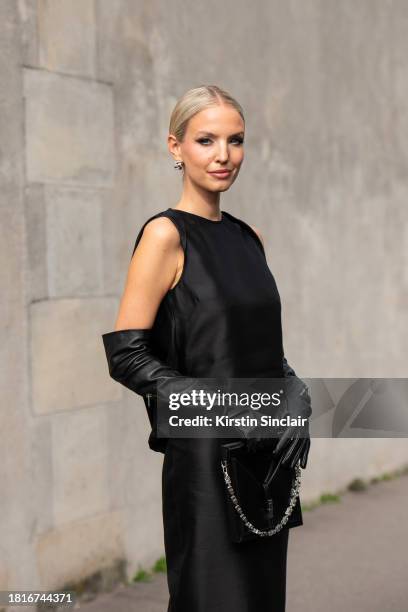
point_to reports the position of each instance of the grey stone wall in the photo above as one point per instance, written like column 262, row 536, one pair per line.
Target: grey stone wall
column 87, row 87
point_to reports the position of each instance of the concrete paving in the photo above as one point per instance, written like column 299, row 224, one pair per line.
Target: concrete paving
column 351, row 555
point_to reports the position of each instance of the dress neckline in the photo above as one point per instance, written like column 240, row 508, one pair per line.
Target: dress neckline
column 185, row 212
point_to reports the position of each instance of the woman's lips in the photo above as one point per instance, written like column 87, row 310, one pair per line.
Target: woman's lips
column 221, row 174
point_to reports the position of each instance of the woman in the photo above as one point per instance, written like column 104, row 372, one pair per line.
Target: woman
column 200, row 301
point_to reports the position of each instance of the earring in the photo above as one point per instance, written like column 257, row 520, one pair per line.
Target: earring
column 178, row 164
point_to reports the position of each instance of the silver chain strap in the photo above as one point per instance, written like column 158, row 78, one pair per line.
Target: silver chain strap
column 293, row 494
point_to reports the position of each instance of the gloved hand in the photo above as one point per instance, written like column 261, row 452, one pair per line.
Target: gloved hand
column 294, row 442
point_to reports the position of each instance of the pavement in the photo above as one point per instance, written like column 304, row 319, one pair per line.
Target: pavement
column 351, row 555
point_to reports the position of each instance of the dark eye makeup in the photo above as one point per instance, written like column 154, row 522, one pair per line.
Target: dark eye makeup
column 239, row 140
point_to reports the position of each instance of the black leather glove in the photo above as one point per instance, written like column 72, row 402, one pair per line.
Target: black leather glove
column 295, row 440
column 294, row 444
column 132, row 362
column 287, row 369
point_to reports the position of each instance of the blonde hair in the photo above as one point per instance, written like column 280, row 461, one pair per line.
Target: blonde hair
column 196, row 100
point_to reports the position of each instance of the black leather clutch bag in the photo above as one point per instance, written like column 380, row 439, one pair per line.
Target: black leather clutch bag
column 260, row 493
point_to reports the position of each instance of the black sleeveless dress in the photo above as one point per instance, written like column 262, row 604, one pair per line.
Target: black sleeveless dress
column 223, row 318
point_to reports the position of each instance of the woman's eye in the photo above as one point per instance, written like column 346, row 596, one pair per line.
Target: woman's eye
column 204, row 140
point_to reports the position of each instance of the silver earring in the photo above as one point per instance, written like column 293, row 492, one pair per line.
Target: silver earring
column 178, row 164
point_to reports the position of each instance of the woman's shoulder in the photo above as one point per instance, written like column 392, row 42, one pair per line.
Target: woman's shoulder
column 160, row 230
column 253, row 230
column 258, row 233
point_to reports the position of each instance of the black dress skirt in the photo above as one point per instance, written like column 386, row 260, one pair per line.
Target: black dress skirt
column 222, row 319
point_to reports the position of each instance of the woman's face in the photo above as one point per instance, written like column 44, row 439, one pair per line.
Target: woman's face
column 213, row 141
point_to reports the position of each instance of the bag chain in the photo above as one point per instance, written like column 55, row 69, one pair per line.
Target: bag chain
column 293, row 494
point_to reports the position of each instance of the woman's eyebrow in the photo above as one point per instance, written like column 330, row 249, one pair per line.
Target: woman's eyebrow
column 214, row 135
